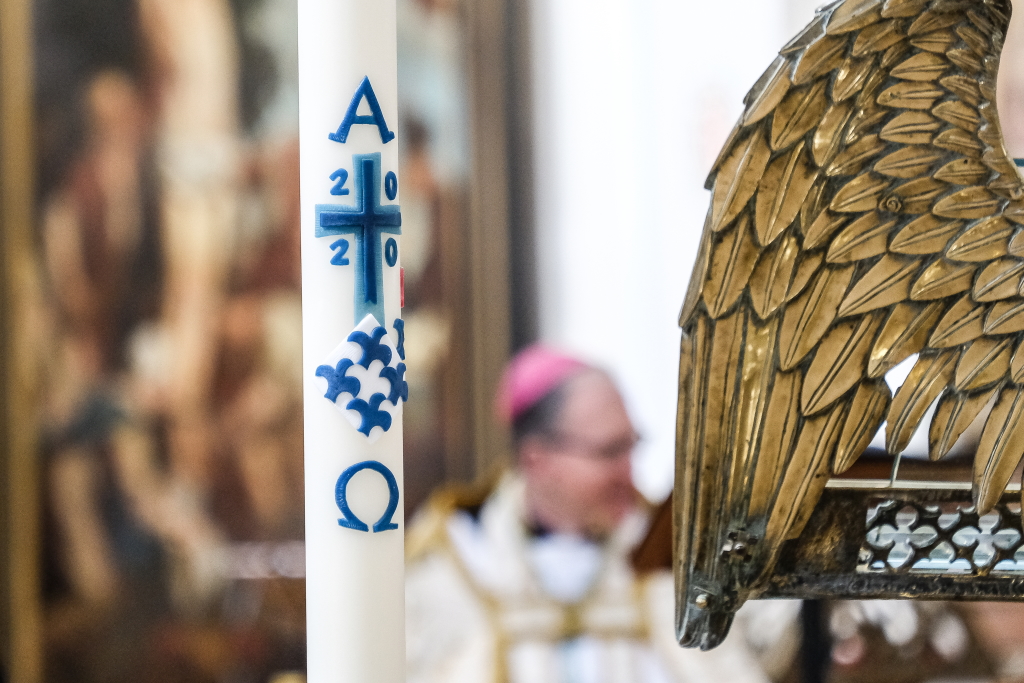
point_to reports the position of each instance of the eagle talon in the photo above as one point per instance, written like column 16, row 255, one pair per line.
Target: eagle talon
column 706, row 621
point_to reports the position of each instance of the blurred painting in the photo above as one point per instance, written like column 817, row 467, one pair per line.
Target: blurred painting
column 170, row 327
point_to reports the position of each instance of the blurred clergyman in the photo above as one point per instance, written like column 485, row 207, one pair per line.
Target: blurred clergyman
column 532, row 581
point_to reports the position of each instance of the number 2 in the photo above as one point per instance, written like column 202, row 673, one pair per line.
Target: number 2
column 341, row 175
column 342, row 248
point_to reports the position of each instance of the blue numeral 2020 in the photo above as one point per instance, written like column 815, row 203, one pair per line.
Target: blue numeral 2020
column 342, row 248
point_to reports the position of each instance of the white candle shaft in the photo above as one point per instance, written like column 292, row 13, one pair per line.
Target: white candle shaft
column 354, row 579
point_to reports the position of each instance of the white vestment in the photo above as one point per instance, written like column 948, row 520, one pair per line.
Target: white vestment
column 485, row 602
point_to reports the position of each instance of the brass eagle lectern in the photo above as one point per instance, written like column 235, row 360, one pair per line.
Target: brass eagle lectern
column 863, row 211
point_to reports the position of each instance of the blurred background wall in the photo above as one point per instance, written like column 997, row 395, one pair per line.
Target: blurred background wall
column 553, row 161
column 633, row 102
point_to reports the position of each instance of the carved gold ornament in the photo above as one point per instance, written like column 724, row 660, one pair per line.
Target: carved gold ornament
column 863, row 210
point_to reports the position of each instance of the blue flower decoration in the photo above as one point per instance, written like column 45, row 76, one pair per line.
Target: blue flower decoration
column 338, row 380
column 399, row 387
column 372, row 348
column 371, row 413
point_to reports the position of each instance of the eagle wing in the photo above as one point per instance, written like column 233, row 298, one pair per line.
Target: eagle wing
column 863, row 210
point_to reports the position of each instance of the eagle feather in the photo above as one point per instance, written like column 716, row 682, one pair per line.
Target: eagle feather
column 863, row 210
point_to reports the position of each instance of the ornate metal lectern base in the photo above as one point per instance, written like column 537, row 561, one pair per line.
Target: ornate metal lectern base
column 922, row 541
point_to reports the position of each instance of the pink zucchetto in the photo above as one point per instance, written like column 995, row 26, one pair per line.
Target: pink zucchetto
column 531, row 375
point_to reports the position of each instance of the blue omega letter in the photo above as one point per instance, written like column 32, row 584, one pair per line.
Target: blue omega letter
column 350, row 521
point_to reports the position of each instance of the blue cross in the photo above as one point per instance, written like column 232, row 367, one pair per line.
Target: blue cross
column 365, row 221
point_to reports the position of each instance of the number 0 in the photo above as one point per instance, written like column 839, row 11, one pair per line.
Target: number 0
column 391, row 185
column 391, row 252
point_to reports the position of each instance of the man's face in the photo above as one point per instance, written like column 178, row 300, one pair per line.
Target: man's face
column 578, row 479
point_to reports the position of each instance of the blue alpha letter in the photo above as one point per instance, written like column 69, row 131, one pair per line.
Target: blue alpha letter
column 376, row 117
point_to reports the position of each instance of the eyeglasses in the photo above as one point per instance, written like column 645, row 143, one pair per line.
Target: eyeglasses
column 595, row 450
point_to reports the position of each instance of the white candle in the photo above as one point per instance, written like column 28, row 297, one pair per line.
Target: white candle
column 354, row 373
